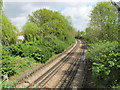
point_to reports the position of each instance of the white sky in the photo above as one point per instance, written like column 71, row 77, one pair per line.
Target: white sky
column 79, row 10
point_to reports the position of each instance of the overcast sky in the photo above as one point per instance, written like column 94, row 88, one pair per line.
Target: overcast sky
column 79, row 10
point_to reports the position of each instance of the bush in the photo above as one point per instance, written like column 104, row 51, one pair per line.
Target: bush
column 8, row 66
column 105, row 63
column 40, row 51
column 14, row 65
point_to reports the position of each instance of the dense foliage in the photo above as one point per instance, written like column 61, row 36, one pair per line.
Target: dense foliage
column 103, row 24
column 41, row 51
column 106, row 63
column 80, row 35
column 31, row 31
column 102, row 41
column 8, row 31
column 45, row 22
column 46, row 33
column 42, row 39
column 14, row 65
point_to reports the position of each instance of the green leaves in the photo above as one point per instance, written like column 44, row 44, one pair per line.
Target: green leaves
column 40, row 51
column 32, row 32
column 106, row 62
column 103, row 23
column 8, row 30
column 46, row 33
column 111, row 63
column 102, row 40
column 48, row 23
column 8, row 66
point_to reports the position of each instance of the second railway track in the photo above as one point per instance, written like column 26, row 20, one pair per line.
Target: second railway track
column 68, row 79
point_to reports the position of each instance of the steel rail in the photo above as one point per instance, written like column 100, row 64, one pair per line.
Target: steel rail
column 53, row 70
column 31, row 73
column 72, row 71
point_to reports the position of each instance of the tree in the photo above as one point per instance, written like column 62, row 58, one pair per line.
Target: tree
column 80, row 34
column 8, row 30
column 51, row 23
column 104, row 22
column 31, row 32
column 102, row 51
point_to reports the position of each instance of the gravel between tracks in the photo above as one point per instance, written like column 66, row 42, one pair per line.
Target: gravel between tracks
column 55, row 80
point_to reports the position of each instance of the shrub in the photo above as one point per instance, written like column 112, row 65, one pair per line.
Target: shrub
column 105, row 63
column 40, row 50
column 8, row 66
column 14, row 65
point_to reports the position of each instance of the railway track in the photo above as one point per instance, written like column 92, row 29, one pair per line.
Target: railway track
column 67, row 80
column 53, row 69
column 41, row 67
column 43, row 79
